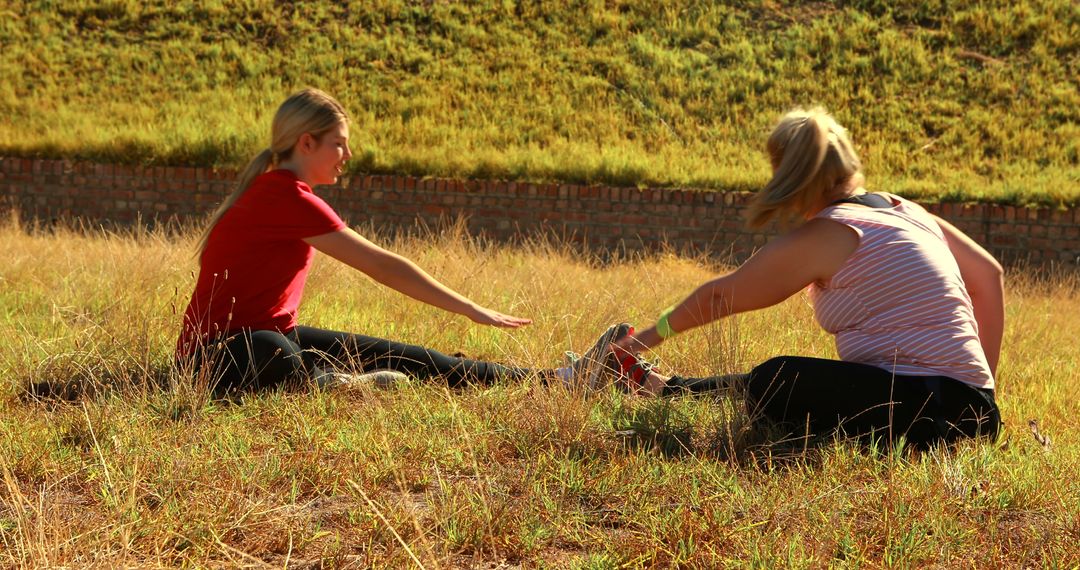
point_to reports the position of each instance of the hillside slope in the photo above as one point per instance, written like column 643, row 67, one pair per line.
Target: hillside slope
column 945, row 100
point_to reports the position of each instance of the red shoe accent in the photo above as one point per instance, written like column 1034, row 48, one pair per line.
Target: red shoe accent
column 632, row 370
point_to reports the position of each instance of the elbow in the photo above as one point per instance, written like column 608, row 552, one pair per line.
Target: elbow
column 995, row 274
column 984, row 270
column 988, row 282
column 994, row 269
column 383, row 267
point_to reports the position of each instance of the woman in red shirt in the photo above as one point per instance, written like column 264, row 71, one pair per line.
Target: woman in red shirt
column 254, row 261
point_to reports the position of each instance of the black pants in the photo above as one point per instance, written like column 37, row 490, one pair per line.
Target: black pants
column 817, row 396
column 263, row 359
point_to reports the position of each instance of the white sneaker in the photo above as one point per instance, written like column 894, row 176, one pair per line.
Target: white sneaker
column 383, row 378
column 378, row 378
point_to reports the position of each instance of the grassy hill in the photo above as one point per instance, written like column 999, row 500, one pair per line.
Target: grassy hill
column 946, row 100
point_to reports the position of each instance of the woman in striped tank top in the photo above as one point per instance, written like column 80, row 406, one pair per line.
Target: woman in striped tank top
column 916, row 306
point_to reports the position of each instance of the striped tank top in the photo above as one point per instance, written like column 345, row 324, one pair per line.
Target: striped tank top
column 898, row 302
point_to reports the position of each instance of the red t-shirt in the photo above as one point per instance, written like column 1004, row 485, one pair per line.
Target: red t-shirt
column 252, row 272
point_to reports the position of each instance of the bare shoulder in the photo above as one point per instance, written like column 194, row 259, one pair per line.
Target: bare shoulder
column 820, row 237
column 815, row 250
column 831, row 243
column 826, row 229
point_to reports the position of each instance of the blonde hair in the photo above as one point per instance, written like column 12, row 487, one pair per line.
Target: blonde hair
column 811, row 155
column 307, row 111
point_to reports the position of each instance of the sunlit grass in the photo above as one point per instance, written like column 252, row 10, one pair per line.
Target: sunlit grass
column 522, row 474
column 946, row 100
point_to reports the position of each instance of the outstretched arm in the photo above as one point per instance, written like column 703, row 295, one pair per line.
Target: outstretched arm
column 985, row 283
column 403, row 275
column 782, row 268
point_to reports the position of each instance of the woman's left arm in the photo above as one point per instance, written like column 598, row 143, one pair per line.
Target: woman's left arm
column 985, row 282
column 403, row 275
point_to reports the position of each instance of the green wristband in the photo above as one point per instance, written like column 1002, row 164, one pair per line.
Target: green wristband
column 663, row 327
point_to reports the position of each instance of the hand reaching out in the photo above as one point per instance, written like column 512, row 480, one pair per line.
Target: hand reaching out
column 640, row 340
column 496, row 319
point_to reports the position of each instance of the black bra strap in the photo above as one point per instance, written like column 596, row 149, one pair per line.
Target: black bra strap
column 872, row 200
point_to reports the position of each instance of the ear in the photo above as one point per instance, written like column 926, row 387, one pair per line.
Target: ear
column 306, row 143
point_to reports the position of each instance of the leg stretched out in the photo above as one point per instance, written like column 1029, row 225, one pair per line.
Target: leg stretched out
column 373, row 353
column 818, row 396
column 261, row 360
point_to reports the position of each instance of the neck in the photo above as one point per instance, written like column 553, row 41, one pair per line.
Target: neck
column 851, row 187
column 297, row 169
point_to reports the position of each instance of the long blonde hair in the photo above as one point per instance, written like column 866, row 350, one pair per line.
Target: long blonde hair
column 307, row 111
column 811, row 155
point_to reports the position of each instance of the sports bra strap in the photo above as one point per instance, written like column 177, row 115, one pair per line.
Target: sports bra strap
column 873, row 200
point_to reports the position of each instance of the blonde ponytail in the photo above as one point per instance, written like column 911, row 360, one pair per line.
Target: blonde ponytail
column 257, row 166
column 308, row 111
column 811, row 156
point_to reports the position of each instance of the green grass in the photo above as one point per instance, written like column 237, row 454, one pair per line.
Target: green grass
column 946, row 100
column 516, row 474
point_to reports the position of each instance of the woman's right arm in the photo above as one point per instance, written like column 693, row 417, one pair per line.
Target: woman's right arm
column 403, row 275
column 985, row 282
column 785, row 266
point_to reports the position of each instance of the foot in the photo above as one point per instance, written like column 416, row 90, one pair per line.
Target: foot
column 636, row 375
column 377, row 378
column 598, row 366
column 633, row 370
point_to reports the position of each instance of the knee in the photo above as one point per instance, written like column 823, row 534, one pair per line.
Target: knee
column 271, row 349
column 771, row 368
column 767, row 375
column 272, row 342
column 979, row 421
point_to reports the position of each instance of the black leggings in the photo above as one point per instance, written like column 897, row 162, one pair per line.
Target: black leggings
column 263, row 359
column 815, row 396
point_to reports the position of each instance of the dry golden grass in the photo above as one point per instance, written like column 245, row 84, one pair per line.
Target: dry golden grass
column 148, row 473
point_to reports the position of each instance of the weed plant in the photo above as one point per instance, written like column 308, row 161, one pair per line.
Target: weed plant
column 146, row 471
column 956, row 101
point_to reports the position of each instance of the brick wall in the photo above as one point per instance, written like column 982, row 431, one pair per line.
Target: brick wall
column 602, row 218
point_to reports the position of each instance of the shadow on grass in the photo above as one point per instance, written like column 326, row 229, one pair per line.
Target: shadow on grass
column 737, row 438
column 71, row 380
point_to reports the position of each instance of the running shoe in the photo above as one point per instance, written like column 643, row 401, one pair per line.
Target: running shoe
column 633, row 370
column 598, row 367
column 377, row 378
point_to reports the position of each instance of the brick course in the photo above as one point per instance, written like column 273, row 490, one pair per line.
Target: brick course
column 600, row 217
